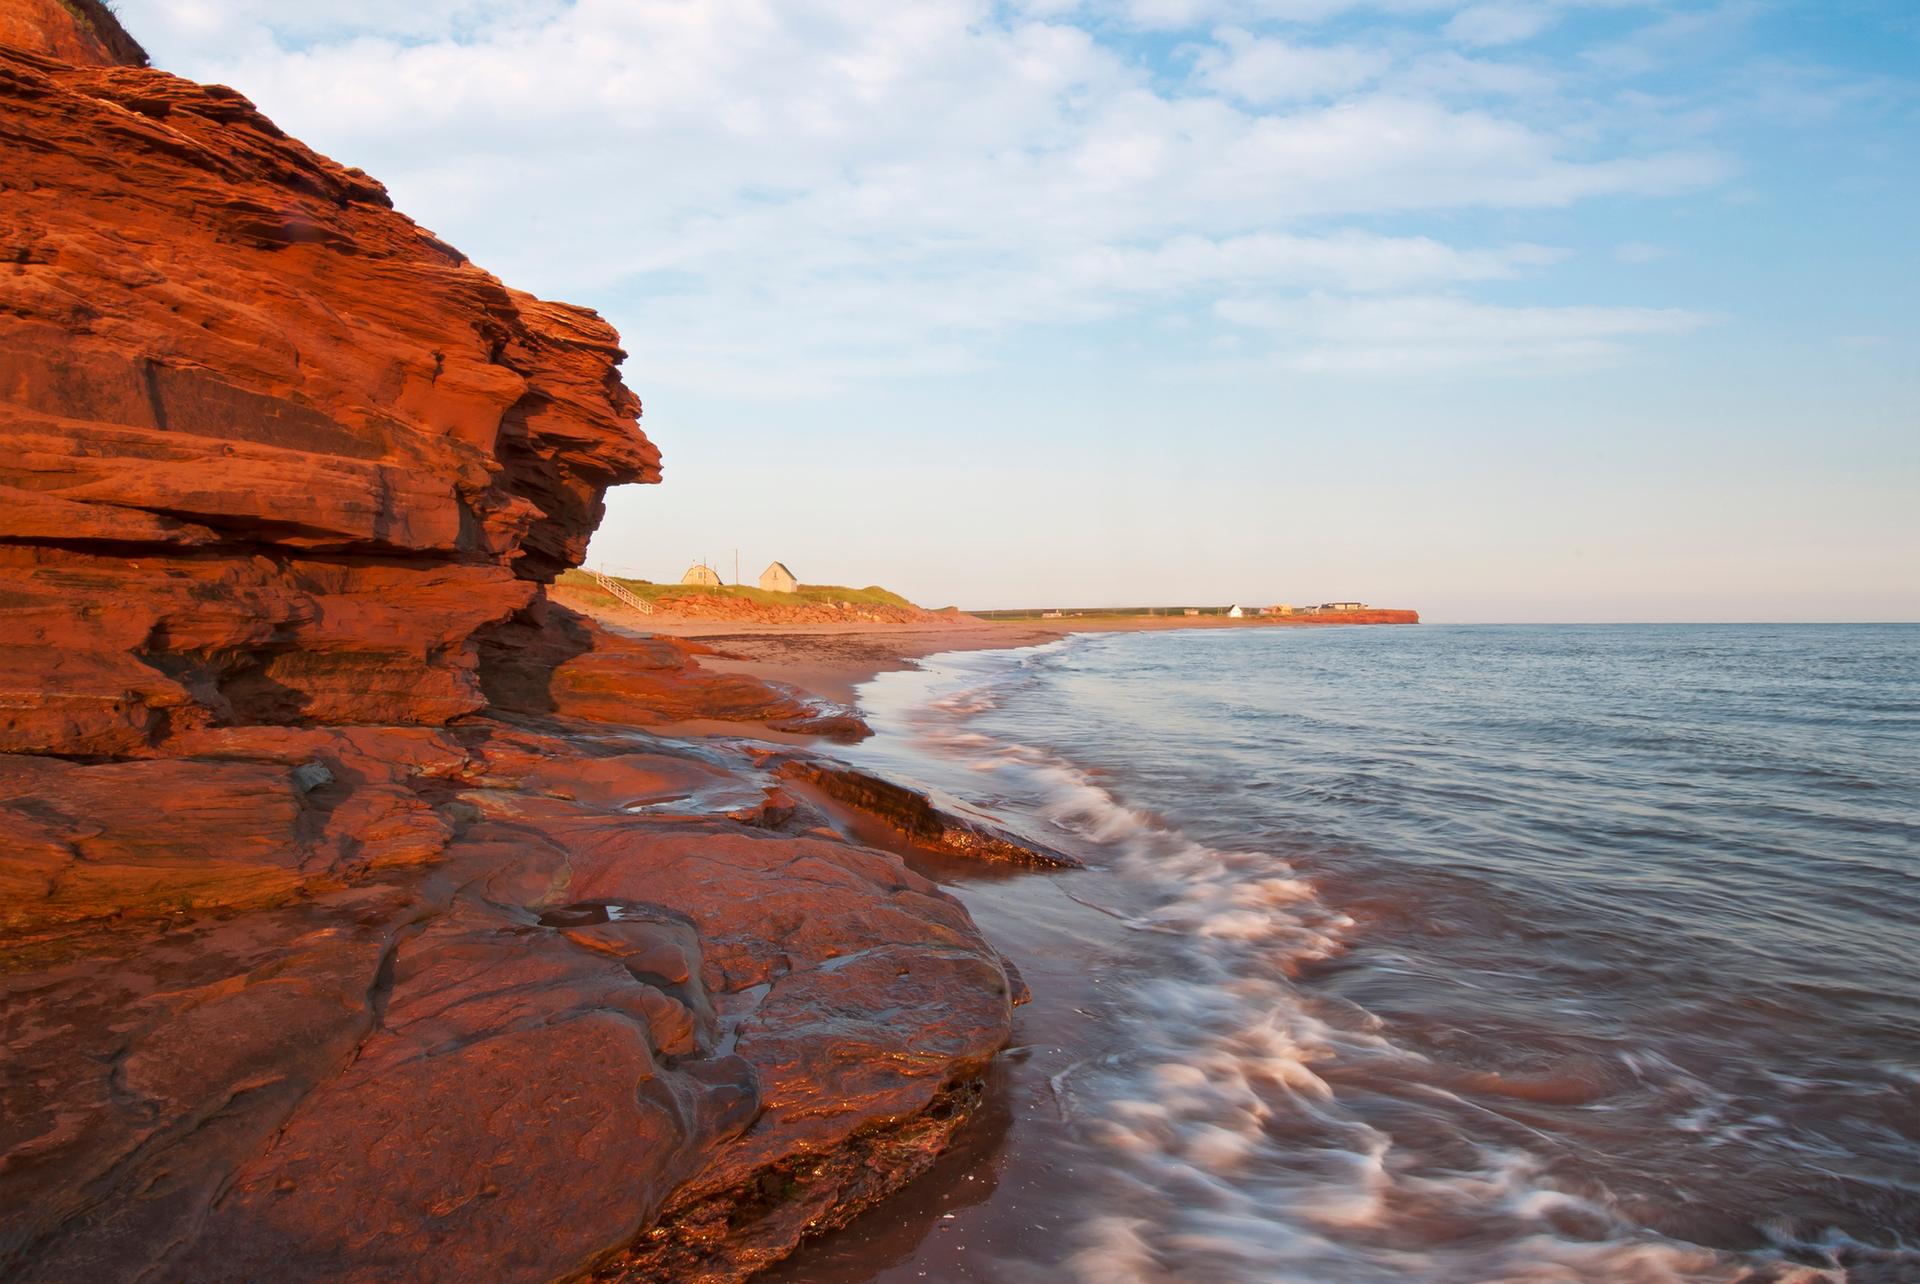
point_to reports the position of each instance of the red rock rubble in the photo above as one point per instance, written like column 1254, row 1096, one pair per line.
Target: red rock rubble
column 349, row 927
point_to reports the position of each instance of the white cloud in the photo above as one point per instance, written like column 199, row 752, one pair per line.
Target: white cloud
column 1448, row 73
column 1262, row 71
column 1674, row 34
column 1180, row 15
column 1499, row 23
column 1347, row 260
column 780, row 197
column 1425, row 333
column 225, row 23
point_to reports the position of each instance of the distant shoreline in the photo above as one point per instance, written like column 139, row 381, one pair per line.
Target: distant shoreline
column 832, row 660
column 1195, row 614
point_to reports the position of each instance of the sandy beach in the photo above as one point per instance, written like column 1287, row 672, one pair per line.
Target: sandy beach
column 831, row 660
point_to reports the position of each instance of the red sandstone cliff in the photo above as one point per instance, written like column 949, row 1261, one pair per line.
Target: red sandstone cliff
column 75, row 31
column 348, row 928
column 335, row 449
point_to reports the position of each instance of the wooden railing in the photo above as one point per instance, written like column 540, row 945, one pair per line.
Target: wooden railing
column 620, row 591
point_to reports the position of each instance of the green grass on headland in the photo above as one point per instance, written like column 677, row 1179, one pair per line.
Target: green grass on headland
column 823, row 594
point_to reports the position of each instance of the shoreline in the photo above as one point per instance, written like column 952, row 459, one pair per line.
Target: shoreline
column 998, row 1181
column 1008, row 1201
column 362, row 908
column 831, row 661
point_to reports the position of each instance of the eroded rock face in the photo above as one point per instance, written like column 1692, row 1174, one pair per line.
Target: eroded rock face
column 581, row 998
column 76, row 31
column 349, row 927
column 553, row 660
column 275, row 453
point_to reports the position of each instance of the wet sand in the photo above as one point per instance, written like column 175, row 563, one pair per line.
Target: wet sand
column 1382, row 1007
column 993, row 1208
column 999, row 1181
column 832, row 660
column 1001, row 1205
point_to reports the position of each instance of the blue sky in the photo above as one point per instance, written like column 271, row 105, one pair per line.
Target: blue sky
column 1509, row 310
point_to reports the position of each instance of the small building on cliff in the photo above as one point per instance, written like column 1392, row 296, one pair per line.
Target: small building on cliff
column 1343, row 606
column 778, row 579
column 1235, row 613
column 702, row 574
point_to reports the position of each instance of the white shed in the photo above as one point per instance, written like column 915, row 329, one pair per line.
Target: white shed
column 702, row 574
column 778, row 579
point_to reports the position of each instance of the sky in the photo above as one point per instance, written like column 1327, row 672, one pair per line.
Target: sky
column 1504, row 310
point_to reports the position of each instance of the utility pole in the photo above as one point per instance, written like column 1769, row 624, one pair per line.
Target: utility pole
column 736, row 568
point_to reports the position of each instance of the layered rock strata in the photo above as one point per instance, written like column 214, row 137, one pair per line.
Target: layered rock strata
column 275, row 452
column 350, row 926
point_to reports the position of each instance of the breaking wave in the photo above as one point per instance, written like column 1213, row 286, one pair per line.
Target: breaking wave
column 1256, row 1123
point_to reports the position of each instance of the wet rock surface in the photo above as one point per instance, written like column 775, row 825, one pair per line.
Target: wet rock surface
column 910, row 817
column 509, row 1044
column 351, row 926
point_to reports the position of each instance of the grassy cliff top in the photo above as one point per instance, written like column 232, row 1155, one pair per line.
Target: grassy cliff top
column 822, row 594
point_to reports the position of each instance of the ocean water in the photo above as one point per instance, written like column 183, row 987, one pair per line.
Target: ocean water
column 1462, row 954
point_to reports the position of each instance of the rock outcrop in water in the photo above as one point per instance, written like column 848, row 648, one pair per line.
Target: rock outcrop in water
column 349, row 928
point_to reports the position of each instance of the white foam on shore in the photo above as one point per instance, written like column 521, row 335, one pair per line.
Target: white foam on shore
column 1234, row 1158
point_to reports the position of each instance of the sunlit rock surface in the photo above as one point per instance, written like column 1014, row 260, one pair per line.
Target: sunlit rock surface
column 350, row 926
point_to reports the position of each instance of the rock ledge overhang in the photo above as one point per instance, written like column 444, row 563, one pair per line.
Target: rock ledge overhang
column 350, row 928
